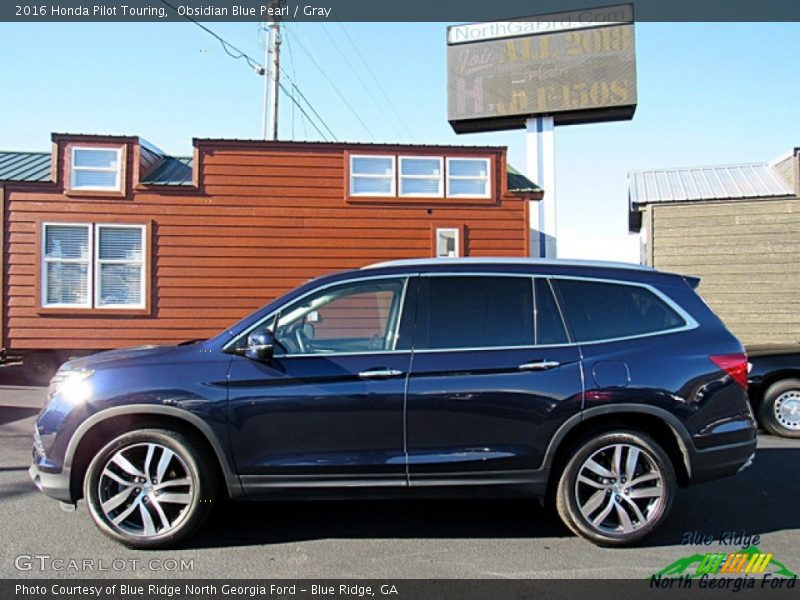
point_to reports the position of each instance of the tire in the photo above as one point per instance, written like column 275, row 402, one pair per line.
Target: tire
column 144, row 497
column 618, row 514
column 781, row 399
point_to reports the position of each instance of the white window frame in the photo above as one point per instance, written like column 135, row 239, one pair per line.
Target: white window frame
column 392, row 176
column 98, row 262
column 75, row 261
column 487, row 178
column 457, row 232
column 96, row 188
column 439, row 193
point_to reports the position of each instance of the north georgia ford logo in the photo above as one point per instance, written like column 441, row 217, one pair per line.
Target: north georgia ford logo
column 736, row 562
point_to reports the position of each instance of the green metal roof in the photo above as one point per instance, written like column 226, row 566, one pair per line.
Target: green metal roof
column 24, row 166
column 35, row 167
column 518, row 183
column 171, row 171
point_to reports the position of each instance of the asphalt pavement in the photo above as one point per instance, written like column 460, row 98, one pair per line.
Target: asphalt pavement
column 381, row 539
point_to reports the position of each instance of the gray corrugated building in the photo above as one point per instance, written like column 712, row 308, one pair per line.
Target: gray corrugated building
column 735, row 226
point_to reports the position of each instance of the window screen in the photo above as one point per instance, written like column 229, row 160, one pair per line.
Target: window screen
column 601, row 311
column 372, row 175
column 66, row 265
column 120, row 266
column 95, row 169
column 475, row 312
column 420, row 176
column 468, row 177
column 87, row 265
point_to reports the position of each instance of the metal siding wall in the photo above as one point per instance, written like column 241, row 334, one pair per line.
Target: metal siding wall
column 748, row 256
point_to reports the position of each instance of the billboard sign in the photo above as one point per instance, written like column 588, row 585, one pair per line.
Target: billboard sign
column 578, row 66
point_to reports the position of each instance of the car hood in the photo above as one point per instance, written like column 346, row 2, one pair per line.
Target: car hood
column 131, row 356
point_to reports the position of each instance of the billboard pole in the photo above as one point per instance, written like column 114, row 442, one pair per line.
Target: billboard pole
column 540, row 153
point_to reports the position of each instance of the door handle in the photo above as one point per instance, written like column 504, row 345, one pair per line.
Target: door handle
column 379, row 373
column 539, row 365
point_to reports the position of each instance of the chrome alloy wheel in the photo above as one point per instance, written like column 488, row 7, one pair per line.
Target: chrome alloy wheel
column 145, row 489
column 787, row 409
column 620, row 489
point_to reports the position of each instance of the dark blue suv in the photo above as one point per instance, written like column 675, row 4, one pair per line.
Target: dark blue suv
column 601, row 387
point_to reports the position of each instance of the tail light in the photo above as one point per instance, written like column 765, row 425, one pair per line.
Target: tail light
column 734, row 365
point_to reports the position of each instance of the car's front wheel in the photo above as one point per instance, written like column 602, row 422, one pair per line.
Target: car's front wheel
column 779, row 412
column 151, row 488
column 616, row 488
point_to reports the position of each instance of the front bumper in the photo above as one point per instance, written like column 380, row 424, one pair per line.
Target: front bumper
column 55, row 485
column 721, row 461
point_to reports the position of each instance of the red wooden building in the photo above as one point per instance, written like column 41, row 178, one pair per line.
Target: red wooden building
column 108, row 242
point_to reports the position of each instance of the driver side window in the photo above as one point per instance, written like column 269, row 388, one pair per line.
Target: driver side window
column 352, row 317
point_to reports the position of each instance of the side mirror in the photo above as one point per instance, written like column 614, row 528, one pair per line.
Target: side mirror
column 260, row 345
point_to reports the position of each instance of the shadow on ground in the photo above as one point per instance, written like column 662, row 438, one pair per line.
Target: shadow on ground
column 759, row 500
column 9, row 414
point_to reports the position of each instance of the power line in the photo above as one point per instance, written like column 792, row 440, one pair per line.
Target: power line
column 226, row 46
column 375, row 79
column 375, row 101
column 237, row 54
column 291, row 62
column 310, row 106
column 300, row 108
column 333, row 85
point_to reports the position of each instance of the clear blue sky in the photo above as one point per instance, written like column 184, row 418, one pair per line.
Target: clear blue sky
column 708, row 94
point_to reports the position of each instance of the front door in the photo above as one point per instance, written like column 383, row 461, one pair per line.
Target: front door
column 328, row 408
column 493, row 376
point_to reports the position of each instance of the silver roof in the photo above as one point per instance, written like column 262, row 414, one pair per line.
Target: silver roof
column 706, row 183
column 558, row 262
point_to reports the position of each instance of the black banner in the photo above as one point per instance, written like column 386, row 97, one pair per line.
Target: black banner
column 399, row 589
column 382, row 10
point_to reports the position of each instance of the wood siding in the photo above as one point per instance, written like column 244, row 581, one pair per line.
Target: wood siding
column 262, row 221
column 747, row 254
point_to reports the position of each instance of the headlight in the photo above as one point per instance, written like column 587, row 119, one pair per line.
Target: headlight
column 72, row 386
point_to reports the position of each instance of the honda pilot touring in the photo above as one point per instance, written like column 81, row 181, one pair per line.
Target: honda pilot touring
column 600, row 387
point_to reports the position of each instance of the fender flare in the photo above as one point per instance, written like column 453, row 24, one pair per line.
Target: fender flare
column 231, row 479
column 677, row 428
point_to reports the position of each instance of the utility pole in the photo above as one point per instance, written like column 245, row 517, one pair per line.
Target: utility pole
column 275, row 74
column 265, row 73
column 272, row 73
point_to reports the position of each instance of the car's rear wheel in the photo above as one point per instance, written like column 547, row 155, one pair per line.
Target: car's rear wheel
column 779, row 412
column 151, row 488
column 616, row 488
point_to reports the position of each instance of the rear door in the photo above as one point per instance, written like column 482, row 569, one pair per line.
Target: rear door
column 493, row 376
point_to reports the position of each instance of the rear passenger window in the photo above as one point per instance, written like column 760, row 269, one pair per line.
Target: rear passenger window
column 475, row 312
column 602, row 311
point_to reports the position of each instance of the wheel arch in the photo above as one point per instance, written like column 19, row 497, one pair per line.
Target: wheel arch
column 662, row 426
column 93, row 433
column 770, row 379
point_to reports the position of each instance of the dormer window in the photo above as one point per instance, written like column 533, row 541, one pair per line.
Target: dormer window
column 96, row 169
